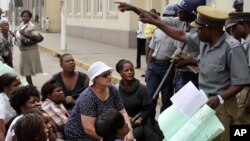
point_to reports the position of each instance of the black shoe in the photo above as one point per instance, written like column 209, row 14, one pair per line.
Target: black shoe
column 143, row 75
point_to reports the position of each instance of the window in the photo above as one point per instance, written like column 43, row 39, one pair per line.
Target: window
column 112, row 7
column 69, row 7
column 99, row 7
column 210, row 3
column 87, row 7
column 77, row 7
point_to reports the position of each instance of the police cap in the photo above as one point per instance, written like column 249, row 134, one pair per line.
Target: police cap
column 171, row 10
column 236, row 17
column 210, row 16
column 237, row 2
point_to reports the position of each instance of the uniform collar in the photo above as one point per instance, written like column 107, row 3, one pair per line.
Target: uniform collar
column 220, row 41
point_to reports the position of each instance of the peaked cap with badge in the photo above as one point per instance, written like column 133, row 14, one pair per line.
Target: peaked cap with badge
column 210, row 16
column 236, row 17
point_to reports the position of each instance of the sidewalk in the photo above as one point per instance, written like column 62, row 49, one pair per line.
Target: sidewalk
column 87, row 52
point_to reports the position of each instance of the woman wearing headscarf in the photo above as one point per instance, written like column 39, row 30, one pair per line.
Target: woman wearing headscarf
column 97, row 98
column 6, row 46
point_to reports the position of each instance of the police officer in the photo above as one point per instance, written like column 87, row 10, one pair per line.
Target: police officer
column 161, row 49
column 187, row 14
column 239, row 23
column 221, row 58
column 238, row 5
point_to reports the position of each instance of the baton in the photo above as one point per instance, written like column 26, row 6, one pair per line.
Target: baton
column 164, row 78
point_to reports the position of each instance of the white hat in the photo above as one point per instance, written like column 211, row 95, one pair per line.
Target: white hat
column 96, row 69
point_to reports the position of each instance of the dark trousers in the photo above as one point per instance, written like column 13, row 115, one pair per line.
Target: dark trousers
column 141, row 44
column 182, row 78
column 155, row 74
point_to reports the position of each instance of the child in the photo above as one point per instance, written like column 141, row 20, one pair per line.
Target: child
column 111, row 126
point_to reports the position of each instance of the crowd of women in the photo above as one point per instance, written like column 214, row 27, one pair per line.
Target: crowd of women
column 128, row 104
column 71, row 105
column 101, row 112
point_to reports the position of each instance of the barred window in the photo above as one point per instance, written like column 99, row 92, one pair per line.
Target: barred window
column 112, row 7
column 99, row 6
column 77, row 7
column 69, row 7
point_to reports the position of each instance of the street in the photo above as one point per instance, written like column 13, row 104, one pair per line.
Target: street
column 50, row 62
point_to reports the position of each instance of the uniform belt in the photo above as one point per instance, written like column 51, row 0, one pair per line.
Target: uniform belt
column 188, row 75
column 212, row 94
column 159, row 61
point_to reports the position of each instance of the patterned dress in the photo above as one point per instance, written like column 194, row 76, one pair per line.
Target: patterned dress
column 89, row 105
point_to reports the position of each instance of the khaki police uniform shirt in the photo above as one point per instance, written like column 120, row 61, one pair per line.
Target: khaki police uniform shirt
column 162, row 45
column 221, row 65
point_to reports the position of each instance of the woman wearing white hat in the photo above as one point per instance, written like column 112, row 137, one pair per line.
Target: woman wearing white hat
column 100, row 96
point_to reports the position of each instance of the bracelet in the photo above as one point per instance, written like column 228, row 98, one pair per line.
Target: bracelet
column 220, row 99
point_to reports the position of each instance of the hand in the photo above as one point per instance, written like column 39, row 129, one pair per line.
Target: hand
column 182, row 63
column 135, row 123
column 123, row 6
column 69, row 100
column 147, row 18
column 213, row 102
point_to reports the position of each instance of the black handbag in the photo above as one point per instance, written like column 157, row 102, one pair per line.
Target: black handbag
column 30, row 42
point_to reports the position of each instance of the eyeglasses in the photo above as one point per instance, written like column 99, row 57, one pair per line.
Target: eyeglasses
column 106, row 74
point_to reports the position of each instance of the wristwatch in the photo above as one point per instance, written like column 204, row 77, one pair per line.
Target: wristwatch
column 221, row 99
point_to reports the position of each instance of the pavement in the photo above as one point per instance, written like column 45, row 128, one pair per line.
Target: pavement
column 86, row 52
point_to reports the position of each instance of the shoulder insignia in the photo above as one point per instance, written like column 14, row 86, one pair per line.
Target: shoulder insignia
column 232, row 42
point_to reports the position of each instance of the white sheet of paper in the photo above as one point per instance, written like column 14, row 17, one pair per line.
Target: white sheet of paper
column 189, row 99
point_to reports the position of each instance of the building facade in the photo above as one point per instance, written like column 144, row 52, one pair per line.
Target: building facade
column 99, row 20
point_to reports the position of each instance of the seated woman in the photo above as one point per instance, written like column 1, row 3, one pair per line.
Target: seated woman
column 47, row 120
column 30, row 121
column 22, row 100
column 8, row 83
column 72, row 82
column 111, row 126
column 53, row 97
column 137, row 102
column 92, row 102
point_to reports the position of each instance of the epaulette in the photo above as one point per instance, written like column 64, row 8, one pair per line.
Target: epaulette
column 232, row 42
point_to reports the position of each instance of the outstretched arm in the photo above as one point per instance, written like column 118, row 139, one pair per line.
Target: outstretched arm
column 173, row 32
column 123, row 7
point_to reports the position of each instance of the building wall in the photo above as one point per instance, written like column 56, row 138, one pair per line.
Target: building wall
column 52, row 10
column 246, row 7
column 110, row 27
column 114, row 27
